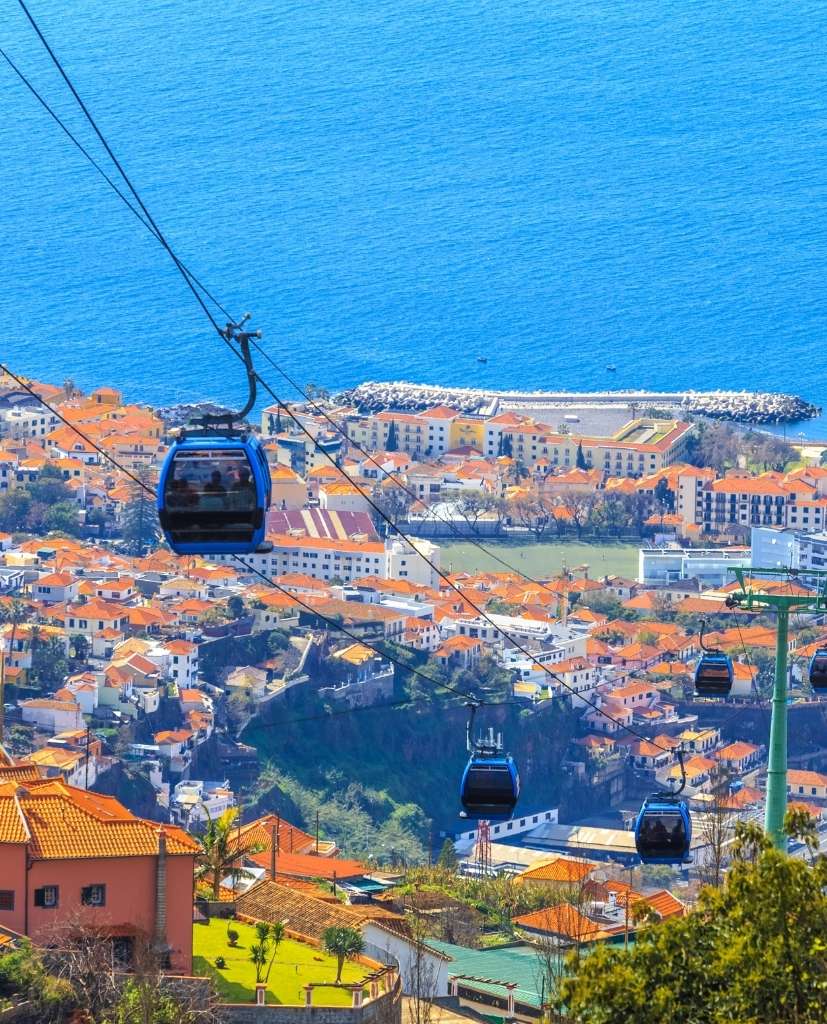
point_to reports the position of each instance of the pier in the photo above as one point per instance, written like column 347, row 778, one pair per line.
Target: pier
column 741, row 406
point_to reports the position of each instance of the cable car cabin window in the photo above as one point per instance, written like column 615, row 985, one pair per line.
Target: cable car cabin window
column 662, row 834
column 488, row 785
column 211, row 493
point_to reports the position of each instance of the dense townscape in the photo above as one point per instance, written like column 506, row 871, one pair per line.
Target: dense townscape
column 193, row 732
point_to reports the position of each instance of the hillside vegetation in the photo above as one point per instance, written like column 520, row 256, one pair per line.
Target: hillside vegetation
column 408, row 761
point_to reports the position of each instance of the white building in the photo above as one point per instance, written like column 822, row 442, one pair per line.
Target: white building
column 673, row 563
column 197, row 802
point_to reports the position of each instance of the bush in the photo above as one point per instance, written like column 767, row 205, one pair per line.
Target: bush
column 232, row 937
column 220, row 963
column 55, row 999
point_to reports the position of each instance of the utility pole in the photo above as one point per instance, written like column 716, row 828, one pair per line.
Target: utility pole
column 755, row 600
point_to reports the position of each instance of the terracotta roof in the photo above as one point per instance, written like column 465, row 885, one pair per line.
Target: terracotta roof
column 564, row 919
column 308, row 865
column 270, row 901
column 561, row 869
column 62, row 822
column 663, row 903
column 796, row 777
column 736, row 751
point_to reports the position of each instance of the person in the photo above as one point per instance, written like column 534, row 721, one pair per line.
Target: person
column 214, row 496
column 243, row 492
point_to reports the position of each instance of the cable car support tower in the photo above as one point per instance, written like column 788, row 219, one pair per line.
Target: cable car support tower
column 755, row 600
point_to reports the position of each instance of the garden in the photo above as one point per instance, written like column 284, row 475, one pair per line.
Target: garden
column 284, row 964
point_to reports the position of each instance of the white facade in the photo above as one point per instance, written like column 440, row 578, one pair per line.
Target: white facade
column 388, row 947
column 29, row 421
column 406, row 560
column 707, row 565
column 198, row 802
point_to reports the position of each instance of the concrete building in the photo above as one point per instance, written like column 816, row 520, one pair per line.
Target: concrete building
column 673, row 563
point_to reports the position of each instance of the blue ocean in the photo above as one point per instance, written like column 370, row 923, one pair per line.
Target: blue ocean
column 397, row 187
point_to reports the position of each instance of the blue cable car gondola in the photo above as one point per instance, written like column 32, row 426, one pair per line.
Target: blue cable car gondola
column 215, row 489
column 490, row 784
column 818, row 670
column 713, row 673
column 663, row 828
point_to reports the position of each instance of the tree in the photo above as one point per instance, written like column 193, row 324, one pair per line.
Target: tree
column 235, row 606
column 63, row 518
column 344, row 944
column 717, row 831
column 139, row 522
column 532, row 513
column 79, row 648
column 580, row 460
column 664, row 496
column 392, row 444
column 422, row 978
column 752, row 951
column 580, row 506
column 49, row 664
column 472, row 506
column 263, row 951
column 221, row 848
column 447, row 859
column 15, row 507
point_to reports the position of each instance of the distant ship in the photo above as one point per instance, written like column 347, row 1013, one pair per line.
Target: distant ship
column 611, row 368
column 482, row 359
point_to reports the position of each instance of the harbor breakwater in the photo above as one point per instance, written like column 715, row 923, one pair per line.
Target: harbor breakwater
column 757, row 408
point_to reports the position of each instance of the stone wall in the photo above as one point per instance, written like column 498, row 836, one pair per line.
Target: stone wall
column 384, row 1009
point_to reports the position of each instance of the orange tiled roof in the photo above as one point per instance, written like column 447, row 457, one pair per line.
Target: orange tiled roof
column 564, row 919
column 561, row 869
column 60, row 822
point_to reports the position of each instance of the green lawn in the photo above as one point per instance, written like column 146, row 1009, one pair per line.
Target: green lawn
column 296, row 965
column 542, row 559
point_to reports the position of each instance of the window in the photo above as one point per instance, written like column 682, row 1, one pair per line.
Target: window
column 47, row 896
column 93, row 896
column 6, row 899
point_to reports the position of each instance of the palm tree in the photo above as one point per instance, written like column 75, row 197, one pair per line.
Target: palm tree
column 269, row 939
column 344, row 944
column 220, row 849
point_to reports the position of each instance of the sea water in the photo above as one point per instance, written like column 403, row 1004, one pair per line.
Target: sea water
column 398, row 188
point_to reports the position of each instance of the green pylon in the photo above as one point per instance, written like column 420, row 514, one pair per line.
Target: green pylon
column 776, row 797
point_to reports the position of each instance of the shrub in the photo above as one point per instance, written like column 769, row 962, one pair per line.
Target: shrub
column 232, row 937
column 220, row 963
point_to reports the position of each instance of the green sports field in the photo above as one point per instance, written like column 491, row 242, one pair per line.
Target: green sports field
column 542, row 559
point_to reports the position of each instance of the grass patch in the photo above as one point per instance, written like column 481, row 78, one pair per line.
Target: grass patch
column 543, row 559
column 296, row 965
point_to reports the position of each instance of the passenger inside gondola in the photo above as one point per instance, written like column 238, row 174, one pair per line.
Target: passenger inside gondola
column 211, row 496
column 662, row 834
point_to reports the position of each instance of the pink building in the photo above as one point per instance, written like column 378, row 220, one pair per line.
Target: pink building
column 68, row 855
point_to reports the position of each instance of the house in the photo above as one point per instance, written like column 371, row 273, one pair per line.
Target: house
column 55, row 587
column 51, row 715
column 809, row 784
column 563, row 922
column 183, row 662
column 247, row 678
column 459, row 652
column 68, row 855
column 197, row 802
column 738, row 757
column 365, row 677
column 560, row 871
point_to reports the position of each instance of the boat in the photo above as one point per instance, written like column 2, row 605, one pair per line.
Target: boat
column 611, row 368
column 482, row 359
